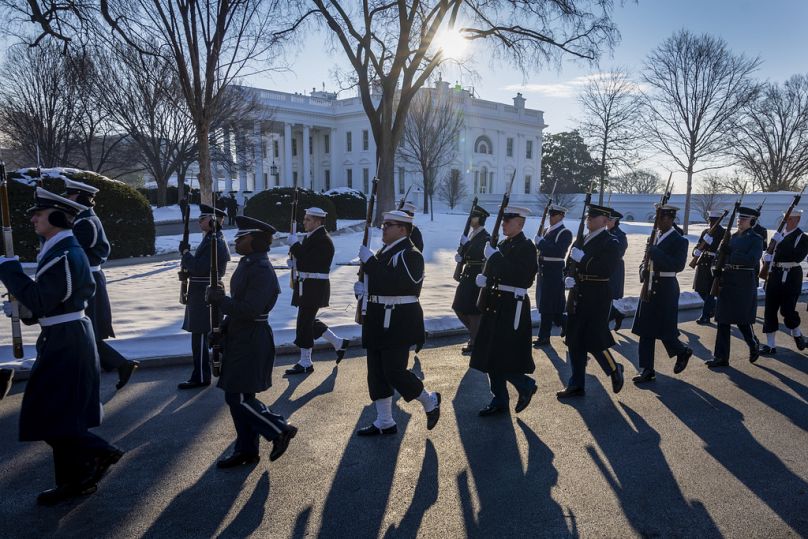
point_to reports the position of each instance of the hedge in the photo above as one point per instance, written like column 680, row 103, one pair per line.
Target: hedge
column 172, row 194
column 274, row 206
column 125, row 213
column 350, row 203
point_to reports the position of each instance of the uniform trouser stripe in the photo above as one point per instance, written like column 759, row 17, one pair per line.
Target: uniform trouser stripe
column 610, row 359
column 259, row 415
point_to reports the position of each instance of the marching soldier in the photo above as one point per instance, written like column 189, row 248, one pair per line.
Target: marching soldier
column 197, row 313
column 784, row 284
column 89, row 232
column 703, row 280
column 61, row 400
column 737, row 300
column 552, row 249
column 588, row 323
column 502, row 349
column 617, row 280
column 249, row 347
column 465, row 299
column 313, row 256
column 394, row 321
column 658, row 318
column 415, row 237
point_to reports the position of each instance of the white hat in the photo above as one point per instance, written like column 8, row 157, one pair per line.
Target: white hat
column 713, row 214
column 557, row 208
column 44, row 199
column 517, row 210
column 398, row 216
column 409, row 206
column 72, row 185
column 795, row 213
column 316, row 212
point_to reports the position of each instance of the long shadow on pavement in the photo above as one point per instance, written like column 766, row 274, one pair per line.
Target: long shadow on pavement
column 423, row 497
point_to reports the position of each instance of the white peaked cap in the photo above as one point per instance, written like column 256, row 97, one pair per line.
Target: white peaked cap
column 409, row 206
column 78, row 186
column 316, row 212
column 397, row 215
column 518, row 210
column 715, row 213
column 556, row 207
column 44, row 199
column 796, row 212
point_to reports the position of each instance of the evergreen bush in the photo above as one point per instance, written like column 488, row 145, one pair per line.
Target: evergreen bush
column 350, row 203
column 274, row 206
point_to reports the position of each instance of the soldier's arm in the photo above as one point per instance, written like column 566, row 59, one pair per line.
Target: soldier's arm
column 518, row 268
column 560, row 247
column 603, row 262
column 673, row 260
column 622, row 243
column 222, row 255
column 801, row 249
column 408, row 269
column 748, row 254
column 198, row 262
column 41, row 296
column 262, row 294
column 85, row 233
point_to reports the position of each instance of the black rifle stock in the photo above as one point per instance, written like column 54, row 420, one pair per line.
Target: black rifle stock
column 362, row 303
column 8, row 244
column 572, row 265
column 184, row 246
column 485, row 301
column 458, row 272
column 216, row 328
column 293, row 230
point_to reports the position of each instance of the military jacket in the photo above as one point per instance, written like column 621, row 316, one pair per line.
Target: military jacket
column 313, row 254
column 197, row 312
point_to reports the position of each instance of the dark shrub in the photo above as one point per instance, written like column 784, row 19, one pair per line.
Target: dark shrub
column 274, row 206
column 350, row 203
column 125, row 213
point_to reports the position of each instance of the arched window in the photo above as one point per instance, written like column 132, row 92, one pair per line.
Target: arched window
column 483, row 145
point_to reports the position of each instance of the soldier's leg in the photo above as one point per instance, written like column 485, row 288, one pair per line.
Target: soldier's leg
column 645, row 352
column 474, row 326
column 499, row 390
column 109, row 358
column 722, row 342
column 748, row 335
column 791, row 319
column 6, row 377
column 523, row 383
column 545, row 327
column 263, row 420
column 304, row 334
column 770, row 321
column 381, row 393
column 674, row 347
column 708, row 309
column 246, row 435
column 320, row 329
column 394, row 369
column 577, row 355
column 201, row 358
column 611, row 367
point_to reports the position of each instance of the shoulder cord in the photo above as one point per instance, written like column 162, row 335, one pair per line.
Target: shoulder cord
column 52, row 263
column 400, row 255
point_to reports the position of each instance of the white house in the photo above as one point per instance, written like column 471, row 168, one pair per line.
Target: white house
column 321, row 142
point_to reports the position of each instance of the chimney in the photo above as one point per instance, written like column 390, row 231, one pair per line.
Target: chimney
column 519, row 102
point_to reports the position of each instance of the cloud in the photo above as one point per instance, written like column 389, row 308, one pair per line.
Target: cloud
column 569, row 88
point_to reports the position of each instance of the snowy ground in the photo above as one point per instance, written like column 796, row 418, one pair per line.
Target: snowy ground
column 148, row 316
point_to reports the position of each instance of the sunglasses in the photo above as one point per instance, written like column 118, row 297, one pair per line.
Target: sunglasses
column 390, row 223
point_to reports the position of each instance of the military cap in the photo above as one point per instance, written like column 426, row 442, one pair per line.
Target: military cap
column 399, row 216
column 72, row 187
column 205, row 210
column 599, row 211
column 515, row 211
column 248, row 225
column 44, row 199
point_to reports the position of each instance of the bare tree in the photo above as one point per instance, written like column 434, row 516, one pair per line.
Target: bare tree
column 636, row 182
column 452, row 189
column 566, row 200
column 697, row 88
column 430, row 137
column 610, row 124
column 393, row 50
column 771, row 141
column 708, row 196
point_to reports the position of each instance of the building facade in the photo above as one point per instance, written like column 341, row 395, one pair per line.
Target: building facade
column 320, row 142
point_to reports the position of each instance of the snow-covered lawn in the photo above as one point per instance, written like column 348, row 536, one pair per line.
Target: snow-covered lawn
column 148, row 316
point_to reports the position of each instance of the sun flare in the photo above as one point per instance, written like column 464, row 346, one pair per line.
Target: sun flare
column 452, row 43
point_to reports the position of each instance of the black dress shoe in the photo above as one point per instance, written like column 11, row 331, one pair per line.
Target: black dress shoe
column 373, row 430
column 61, row 493
column 681, row 361
column 617, row 379
column 281, row 443
column 342, row 349
column 766, row 350
column 564, row 328
column 237, row 459
column 538, row 343
column 716, row 363
column 192, row 385
column 524, row 399
column 104, row 461
column 800, row 340
column 467, row 350
column 433, row 415
column 125, row 373
column 647, row 375
column 571, row 391
column 703, row 321
column 6, row 377
column 618, row 321
column 754, row 353
column 300, row 369
column 491, row 409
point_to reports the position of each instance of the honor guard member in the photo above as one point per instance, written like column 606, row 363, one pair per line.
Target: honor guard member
column 617, row 281
column 313, row 255
column 394, row 321
column 588, row 324
column 471, row 256
column 61, row 400
column 89, row 232
column 552, row 250
column 658, row 317
column 502, row 349
column 703, row 280
column 784, row 284
column 197, row 312
column 737, row 300
column 248, row 347
column 415, row 237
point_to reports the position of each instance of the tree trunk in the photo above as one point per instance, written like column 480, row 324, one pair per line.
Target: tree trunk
column 602, row 175
column 431, row 208
column 206, row 187
column 426, row 197
column 687, row 198
column 180, row 186
column 162, row 187
column 385, row 196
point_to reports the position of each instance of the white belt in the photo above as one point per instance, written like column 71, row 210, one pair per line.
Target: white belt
column 390, row 303
column 785, row 266
column 665, row 273
column 301, row 275
column 60, row 318
column 552, row 259
column 95, row 268
column 519, row 294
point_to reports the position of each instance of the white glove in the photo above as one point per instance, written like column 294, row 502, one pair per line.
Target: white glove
column 364, row 253
column 23, row 311
column 4, row 259
column 696, row 252
column 536, row 239
column 569, row 282
column 778, row 237
column 767, row 257
column 464, row 239
column 576, row 254
column 359, row 289
column 708, row 239
column 291, row 239
column 458, row 258
column 290, row 263
column 481, row 280
column 489, row 251
column 7, row 308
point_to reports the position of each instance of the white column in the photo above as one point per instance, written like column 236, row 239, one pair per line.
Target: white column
column 259, row 157
column 228, row 165
column 306, row 181
column 333, row 149
column 287, row 155
column 241, row 153
column 499, row 153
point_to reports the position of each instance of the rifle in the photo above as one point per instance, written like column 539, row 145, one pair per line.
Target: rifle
column 39, row 181
column 184, row 246
column 572, row 265
column 648, row 264
column 459, row 267
column 216, row 329
column 547, row 209
column 293, row 230
column 485, row 300
column 702, row 245
column 362, row 304
column 766, row 267
column 721, row 258
column 8, row 243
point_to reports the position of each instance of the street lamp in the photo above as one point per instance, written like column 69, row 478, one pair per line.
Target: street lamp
column 273, row 170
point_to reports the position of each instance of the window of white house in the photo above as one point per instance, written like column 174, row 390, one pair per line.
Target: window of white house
column 263, row 149
column 311, row 145
column 509, row 147
column 483, row 145
column 527, row 184
column 294, row 146
column 349, row 178
column 365, row 139
column 365, row 180
column 400, row 180
column 275, row 148
column 529, row 149
column 348, row 142
column 491, row 182
column 327, row 143
column 294, row 177
column 327, row 178
column 266, row 178
column 481, row 181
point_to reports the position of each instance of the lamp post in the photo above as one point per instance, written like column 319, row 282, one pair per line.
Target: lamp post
column 273, row 171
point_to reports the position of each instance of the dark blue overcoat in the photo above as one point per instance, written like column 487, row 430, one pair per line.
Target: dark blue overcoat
column 550, row 279
column 90, row 234
column 197, row 312
column 737, row 299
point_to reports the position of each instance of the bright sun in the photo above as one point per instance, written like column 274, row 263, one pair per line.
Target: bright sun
column 453, row 44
